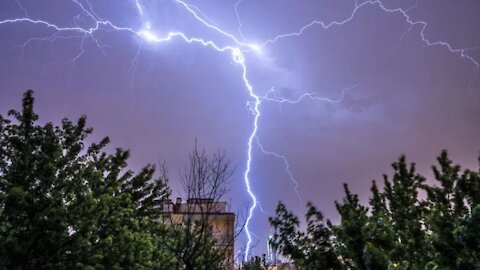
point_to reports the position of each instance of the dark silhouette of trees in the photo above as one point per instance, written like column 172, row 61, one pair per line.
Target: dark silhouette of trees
column 398, row 230
column 65, row 204
column 312, row 249
column 255, row 263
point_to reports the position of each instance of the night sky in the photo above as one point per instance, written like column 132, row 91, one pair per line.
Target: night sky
column 389, row 78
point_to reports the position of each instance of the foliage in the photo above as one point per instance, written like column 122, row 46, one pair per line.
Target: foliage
column 312, row 249
column 397, row 230
column 255, row 263
column 68, row 205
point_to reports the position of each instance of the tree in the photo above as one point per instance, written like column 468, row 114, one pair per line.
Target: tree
column 199, row 245
column 68, row 206
column 255, row 263
column 379, row 232
column 65, row 204
column 312, row 249
column 453, row 216
column 407, row 216
column 349, row 234
column 400, row 231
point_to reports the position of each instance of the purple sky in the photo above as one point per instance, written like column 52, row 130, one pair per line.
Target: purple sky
column 156, row 98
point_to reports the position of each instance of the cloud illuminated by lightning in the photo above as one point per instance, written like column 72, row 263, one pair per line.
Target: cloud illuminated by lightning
column 236, row 49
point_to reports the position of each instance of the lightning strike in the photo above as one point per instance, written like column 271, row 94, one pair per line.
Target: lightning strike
column 190, row 9
column 22, row 8
column 404, row 13
column 139, row 7
column 272, row 96
column 149, row 36
column 236, row 50
column 239, row 21
column 287, row 168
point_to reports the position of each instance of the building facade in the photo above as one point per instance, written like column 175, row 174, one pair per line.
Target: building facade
column 221, row 222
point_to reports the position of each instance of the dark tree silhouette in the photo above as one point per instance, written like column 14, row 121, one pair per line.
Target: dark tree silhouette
column 399, row 231
column 65, row 204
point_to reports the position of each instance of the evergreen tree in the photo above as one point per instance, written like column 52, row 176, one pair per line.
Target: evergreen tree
column 349, row 234
column 68, row 205
column 312, row 249
column 407, row 215
column 453, row 216
column 400, row 231
column 468, row 231
column 379, row 232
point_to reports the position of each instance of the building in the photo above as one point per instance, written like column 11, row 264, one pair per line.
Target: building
column 221, row 222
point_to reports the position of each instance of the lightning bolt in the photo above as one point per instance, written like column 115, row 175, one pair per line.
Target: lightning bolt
column 287, row 168
column 404, row 13
column 190, row 9
column 239, row 21
column 272, row 96
column 147, row 34
column 237, row 51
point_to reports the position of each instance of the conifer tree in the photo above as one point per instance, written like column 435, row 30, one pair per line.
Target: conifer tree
column 349, row 234
column 65, row 204
column 400, row 231
column 379, row 232
column 312, row 249
column 407, row 215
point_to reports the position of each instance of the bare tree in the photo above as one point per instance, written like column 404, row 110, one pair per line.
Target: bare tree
column 204, row 229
